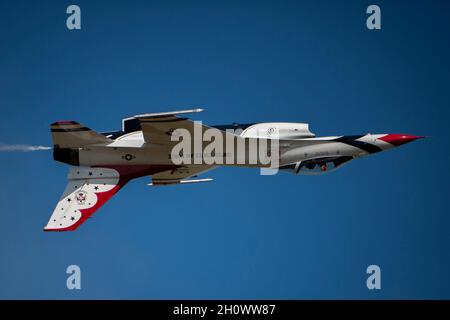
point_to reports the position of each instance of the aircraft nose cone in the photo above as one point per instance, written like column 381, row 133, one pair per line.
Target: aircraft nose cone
column 399, row 139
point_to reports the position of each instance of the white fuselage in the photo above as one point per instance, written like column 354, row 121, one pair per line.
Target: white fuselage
column 131, row 149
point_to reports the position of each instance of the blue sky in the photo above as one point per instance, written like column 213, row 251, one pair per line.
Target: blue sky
column 244, row 235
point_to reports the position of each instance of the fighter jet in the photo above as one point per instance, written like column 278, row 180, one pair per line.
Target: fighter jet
column 150, row 145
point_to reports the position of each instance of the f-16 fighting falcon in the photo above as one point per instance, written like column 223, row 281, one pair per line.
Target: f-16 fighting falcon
column 173, row 150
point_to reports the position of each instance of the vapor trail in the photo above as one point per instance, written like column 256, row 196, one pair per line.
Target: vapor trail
column 21, row 148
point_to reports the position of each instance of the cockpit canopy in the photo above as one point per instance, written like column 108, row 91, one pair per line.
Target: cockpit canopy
column 316, row 166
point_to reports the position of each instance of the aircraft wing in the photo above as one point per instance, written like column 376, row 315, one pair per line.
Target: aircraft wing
column 87, row 190
column 180, row 175
column 157, row 128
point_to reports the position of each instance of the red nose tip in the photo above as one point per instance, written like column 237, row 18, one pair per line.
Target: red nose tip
column 399, row 139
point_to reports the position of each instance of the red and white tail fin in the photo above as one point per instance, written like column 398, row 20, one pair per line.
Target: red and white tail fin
column 87, row 190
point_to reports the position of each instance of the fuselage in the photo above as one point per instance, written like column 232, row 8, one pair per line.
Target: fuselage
column 130, row 148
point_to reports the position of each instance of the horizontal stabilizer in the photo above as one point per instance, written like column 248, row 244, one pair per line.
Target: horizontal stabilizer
column 71, row 134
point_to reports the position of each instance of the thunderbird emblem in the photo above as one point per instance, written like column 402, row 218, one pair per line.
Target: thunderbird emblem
column 81, row 197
